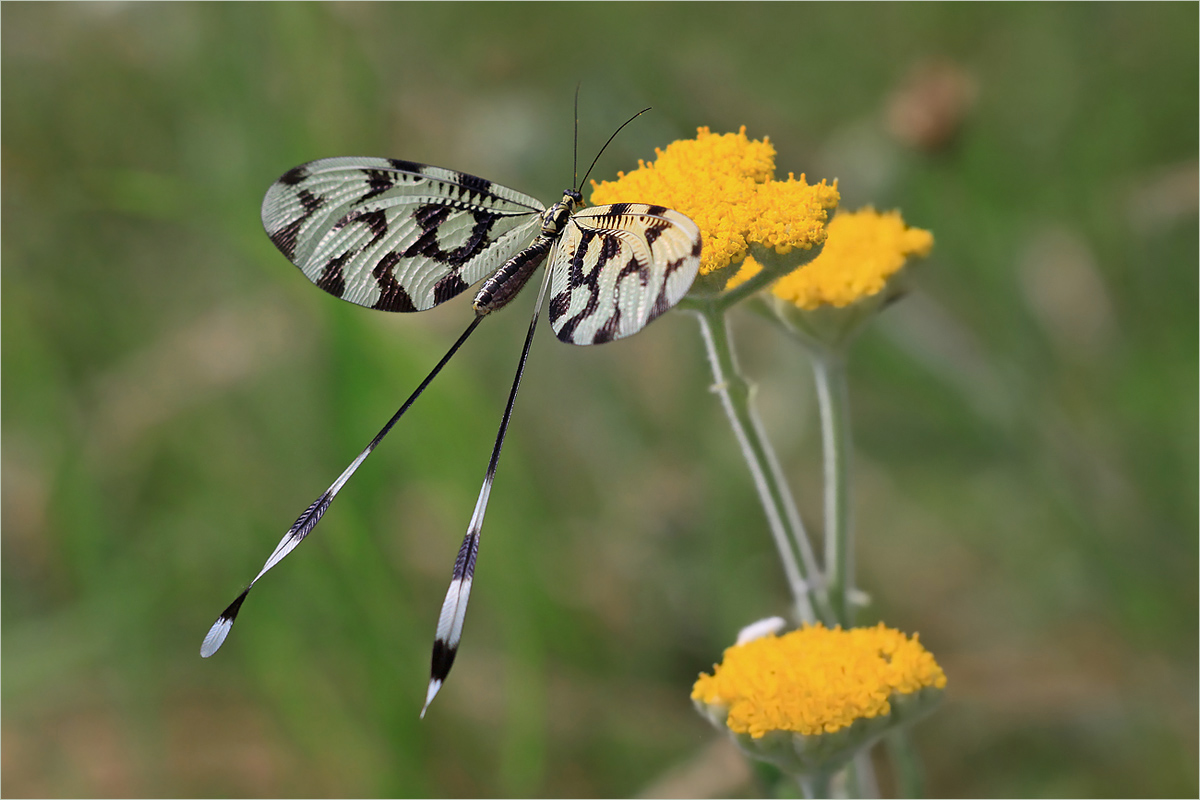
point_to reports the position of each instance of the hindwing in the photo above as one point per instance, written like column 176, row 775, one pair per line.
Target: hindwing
column 617, row 267
column 395, row 235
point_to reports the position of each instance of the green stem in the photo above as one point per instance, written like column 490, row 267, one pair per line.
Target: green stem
column 782, row 517
column 862, row 771
column 817, row 784
column 910, row 780
column 833, row 398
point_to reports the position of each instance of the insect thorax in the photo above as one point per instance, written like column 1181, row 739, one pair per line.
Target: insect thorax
column 506, row 282
column 555, row 217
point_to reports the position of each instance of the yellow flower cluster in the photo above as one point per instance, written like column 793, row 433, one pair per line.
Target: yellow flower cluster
column 864, row 249
column 815, row 680
column 725, row 183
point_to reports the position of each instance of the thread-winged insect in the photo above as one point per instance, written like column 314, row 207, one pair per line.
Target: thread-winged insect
column 399, row 236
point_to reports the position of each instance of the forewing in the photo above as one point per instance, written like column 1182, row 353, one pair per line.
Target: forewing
column 395, row 235
column 618, row 267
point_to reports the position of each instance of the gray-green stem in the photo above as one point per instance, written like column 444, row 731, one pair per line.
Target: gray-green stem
column 910, row 780
column 776, row 498
column 817, row 784
column 829, row 366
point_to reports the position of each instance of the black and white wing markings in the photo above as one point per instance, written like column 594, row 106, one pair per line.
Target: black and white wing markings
column 617, row 268
column 395, row 235
column 399, row 236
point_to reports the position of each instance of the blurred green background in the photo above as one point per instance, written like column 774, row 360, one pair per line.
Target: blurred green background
column 175, row 393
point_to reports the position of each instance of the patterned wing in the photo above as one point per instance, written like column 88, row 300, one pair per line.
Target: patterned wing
column 395, row 235
column 618, row 267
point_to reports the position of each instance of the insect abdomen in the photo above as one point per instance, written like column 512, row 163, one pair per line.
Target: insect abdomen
column 506, row 282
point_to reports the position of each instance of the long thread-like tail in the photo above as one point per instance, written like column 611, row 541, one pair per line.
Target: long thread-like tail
column 454, row 607
column 312, row 515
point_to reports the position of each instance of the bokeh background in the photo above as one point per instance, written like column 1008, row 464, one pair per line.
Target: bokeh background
column 174, row 393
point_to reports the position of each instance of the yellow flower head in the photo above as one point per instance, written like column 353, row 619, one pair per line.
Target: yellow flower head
column 815, row 680
column 863, row 250
column 725, row 183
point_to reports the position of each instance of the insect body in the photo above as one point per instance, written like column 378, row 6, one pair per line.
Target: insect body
column 399, row 236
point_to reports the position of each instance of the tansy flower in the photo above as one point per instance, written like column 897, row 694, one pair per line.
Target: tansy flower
column 725, row 183
column 864, row 249
column 859, row 270
column 815, row 680
column 813, row 697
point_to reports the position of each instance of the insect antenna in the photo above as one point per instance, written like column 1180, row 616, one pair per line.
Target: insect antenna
column 454, row 607
column 579, row 188
column 312, row 515
column 575, row 144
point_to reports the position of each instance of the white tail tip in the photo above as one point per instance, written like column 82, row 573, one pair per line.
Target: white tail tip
column 216, row 636
column 435, row 686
